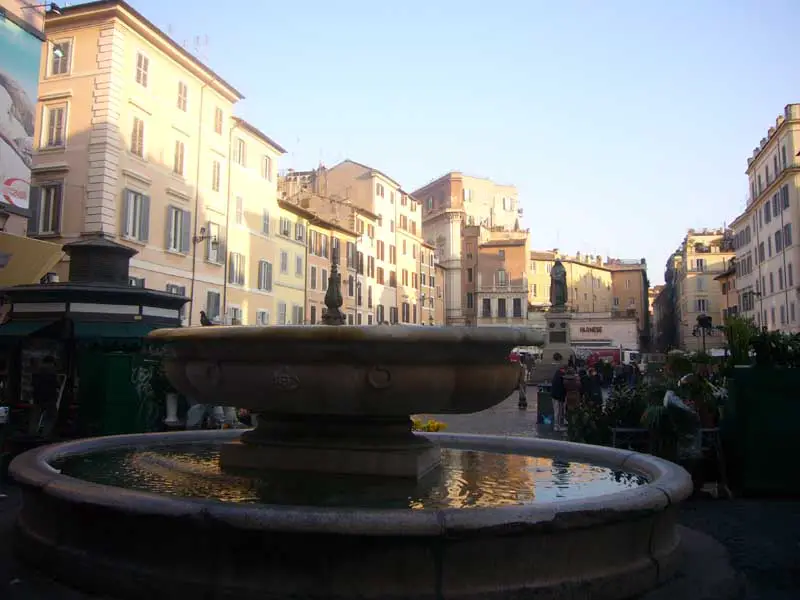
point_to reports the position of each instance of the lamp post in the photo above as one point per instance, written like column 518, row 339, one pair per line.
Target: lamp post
column 704, row 328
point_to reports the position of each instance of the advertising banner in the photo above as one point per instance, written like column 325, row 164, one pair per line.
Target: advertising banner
column 19, row 82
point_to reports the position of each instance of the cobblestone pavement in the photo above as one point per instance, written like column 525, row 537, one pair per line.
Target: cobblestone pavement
column 762, row 536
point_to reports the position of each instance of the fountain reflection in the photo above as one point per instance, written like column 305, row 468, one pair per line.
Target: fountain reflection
column 466, row 479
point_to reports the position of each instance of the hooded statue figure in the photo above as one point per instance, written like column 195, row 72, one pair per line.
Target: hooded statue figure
column 558, row 286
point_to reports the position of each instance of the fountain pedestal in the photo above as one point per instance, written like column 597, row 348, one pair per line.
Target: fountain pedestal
column 344, row 445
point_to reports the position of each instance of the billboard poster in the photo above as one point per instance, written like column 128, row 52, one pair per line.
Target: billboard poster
column 19, row 82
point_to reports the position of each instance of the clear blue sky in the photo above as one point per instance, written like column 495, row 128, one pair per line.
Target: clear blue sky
column 622, row 122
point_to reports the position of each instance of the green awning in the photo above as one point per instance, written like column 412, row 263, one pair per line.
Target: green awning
column 111, row 329
column 22, row 328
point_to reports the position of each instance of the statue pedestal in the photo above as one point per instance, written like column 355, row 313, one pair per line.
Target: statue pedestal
column 558, row 345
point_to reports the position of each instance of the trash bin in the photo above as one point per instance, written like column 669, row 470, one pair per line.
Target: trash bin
column 544, row 405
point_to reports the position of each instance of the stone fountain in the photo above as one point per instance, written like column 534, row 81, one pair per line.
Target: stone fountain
column 335, row 401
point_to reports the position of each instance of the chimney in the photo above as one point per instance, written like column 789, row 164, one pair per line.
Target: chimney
column 96, row 259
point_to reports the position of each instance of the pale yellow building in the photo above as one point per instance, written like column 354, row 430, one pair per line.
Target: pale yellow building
column 767, row 257
column 291, row 251
column 252, row 218
column 135, row 139
column 703, row 255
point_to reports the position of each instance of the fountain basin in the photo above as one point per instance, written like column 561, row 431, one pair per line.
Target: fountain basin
column 134, row 544
column 338, row 399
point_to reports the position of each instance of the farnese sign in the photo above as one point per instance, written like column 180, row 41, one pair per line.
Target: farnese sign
column 594, row 329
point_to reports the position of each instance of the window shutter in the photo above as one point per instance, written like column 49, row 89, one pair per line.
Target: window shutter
column 186, row 231
column 231, row 269
column 261, row 264
column 59, row 200
column 126, row 207
column 208, row 240
column 168, row 229
column 221, row 245
column 144, row 226
column 269, row 276
column 34, row 204
column 240, row 270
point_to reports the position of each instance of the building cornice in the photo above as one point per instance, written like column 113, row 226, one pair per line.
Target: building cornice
column 104, row 10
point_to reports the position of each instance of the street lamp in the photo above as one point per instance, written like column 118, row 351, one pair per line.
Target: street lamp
column 704, row 328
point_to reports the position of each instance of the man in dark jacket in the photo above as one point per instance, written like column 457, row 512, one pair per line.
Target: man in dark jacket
column 559, row 395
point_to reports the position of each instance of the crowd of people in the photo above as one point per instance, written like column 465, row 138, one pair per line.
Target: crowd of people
column 578, row 382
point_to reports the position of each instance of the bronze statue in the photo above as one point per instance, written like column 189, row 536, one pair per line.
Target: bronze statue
column 558, row 286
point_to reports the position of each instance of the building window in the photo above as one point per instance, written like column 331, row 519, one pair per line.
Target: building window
column 216, row 171
column 392, row 315
column 517, row 308
column 214, row 251
column 284, row 262
column 486, row 312
column 285, row 227
column 281, row 313
column 297, row 314
column 312, row 315
column 137, row 282
column 60, row 57
column 137, row 137
column 183, row 95
column 236, row 268
column 789, row 275
column 178, row 290
column 501, row 308
column 265, row 222
column 239, row 210
column 406, row 314
column 177, row 159
column 240, row 152
column 312, row 278
column 324, row 282
column 212, row 305
column 142, row 68
column 264, row 276
column 502, row 280
column 298, row 266
column 787, row 235
column 45, row 207
column 179, row 229
column 56, row 117
column 470, row 300
column 234, row 315
column 701, row 305
column 266, row 168
column 218, row 120
column 135, row 216
column 262, row 318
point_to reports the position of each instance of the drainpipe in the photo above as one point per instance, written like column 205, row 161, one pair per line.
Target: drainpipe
column 196, row 202
column 227, row 222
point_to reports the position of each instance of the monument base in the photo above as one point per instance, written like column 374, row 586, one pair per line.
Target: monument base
column 558, row 347
column 376, row 447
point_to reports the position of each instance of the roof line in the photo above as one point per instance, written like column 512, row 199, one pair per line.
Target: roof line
column 259, row 134
column 123, row 7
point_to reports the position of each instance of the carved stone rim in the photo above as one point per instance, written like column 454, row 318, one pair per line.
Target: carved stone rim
column 513, row 336
column 668, row 484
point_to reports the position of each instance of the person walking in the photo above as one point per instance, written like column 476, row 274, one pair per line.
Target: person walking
column 559, row 394
column 522, row 386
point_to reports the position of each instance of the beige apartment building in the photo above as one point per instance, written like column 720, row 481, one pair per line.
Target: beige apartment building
column 763, row 237
column 703, row 255
column 387, row 221
column 136, row 140
column 452, row 202
column 611, row 286
column 365, row 278
column 495, row 277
